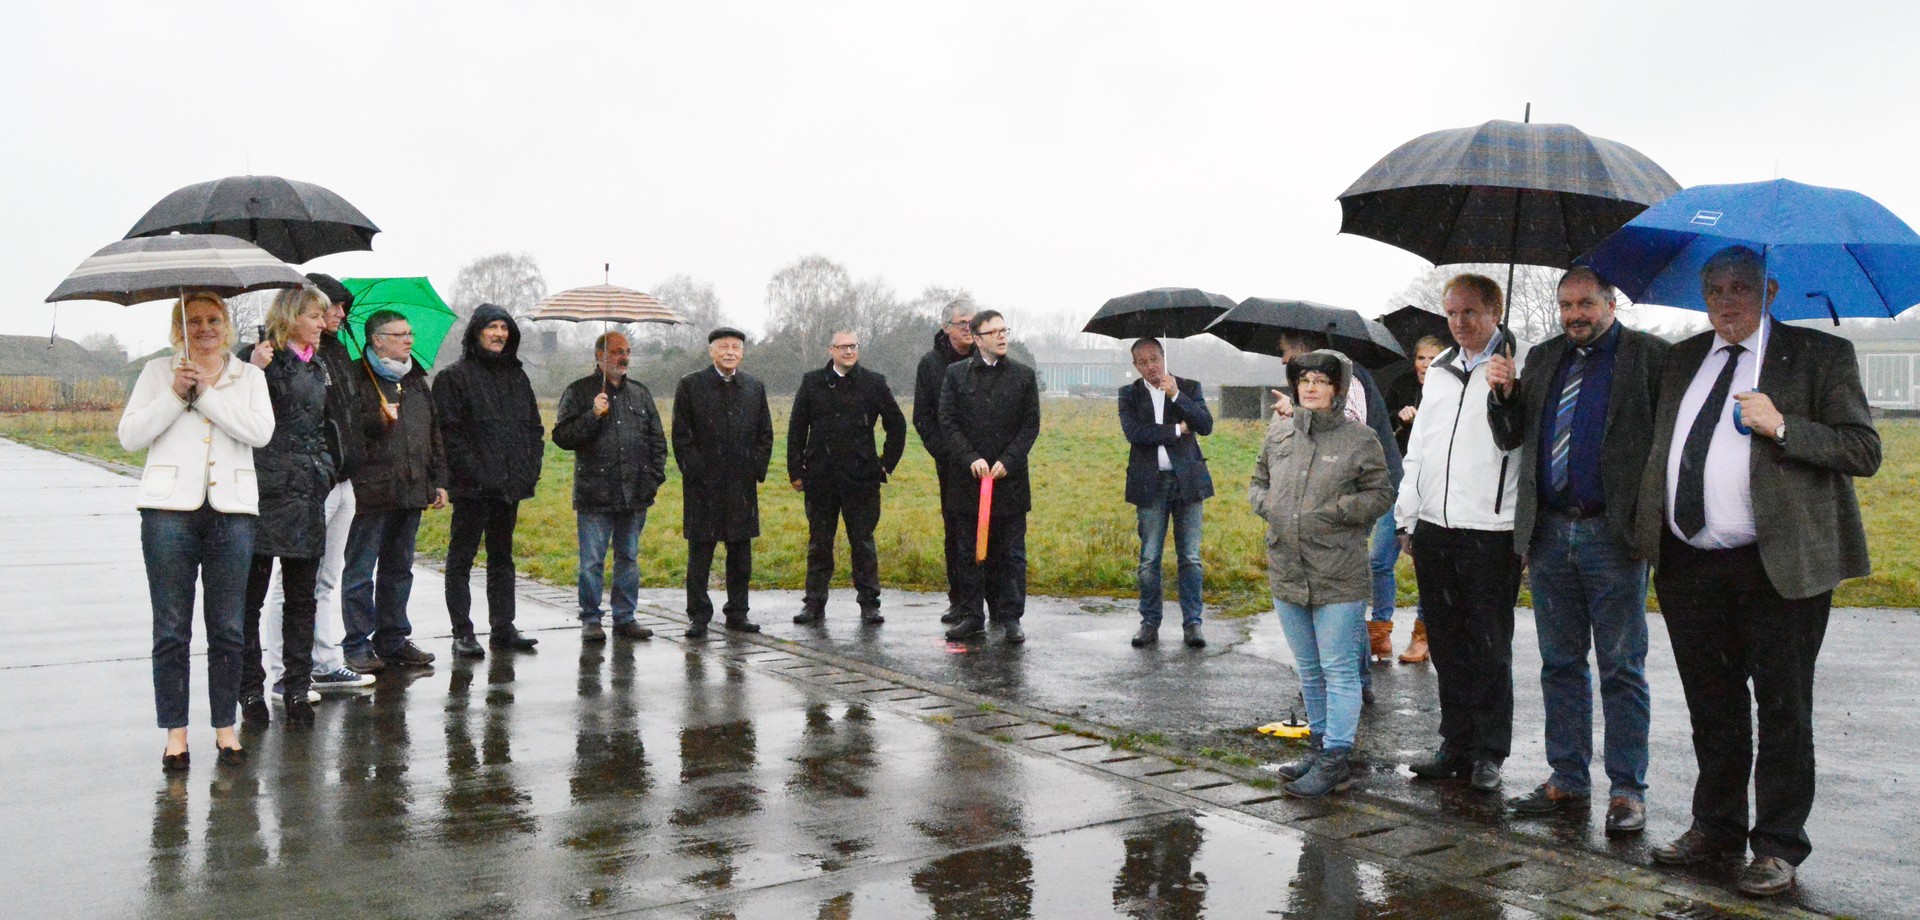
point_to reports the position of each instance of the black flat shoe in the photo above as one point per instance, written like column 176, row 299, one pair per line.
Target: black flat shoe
column 741, row 626
column 810, row 617
column 1193, row 637
column 696, row 631
column 232, row 757
column 299, row 714
column 512, row 641
column 1013, row 634
column 1486, row 776
column 1442, row 766
column 952, row 616
column 967, row 628
column 1145, row 637
column 870, row 616
column 469, row 647
column 174, row 763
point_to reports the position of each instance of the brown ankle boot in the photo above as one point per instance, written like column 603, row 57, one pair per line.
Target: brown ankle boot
column 1380, row 634
column 1417, row 648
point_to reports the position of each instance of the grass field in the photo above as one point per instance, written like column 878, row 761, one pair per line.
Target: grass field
column 1080, row 536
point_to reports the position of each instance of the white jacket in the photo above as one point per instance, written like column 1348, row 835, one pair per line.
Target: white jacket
column 1454, row 476
column 204, row 454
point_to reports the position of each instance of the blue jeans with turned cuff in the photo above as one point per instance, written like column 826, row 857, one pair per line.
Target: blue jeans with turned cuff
column 215, row 549
column 1327, row 656
column 1589, row 592
column 378, row 581
column 597, row 531
column 1153, row 519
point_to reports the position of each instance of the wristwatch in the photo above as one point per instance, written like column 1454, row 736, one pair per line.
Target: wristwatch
column 1780, row 433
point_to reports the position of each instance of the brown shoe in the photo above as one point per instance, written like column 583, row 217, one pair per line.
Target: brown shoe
column 1765, row 877
column 1625, row 816
column 1416, row 648
column 1692, row 847
column 1381, row 636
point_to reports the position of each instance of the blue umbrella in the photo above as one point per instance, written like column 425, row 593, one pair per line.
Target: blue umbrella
column 1834, row 252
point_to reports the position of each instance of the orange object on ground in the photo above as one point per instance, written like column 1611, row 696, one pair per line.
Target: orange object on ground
column 986, row 515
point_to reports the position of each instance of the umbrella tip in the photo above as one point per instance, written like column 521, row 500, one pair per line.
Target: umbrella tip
column 1527, row 118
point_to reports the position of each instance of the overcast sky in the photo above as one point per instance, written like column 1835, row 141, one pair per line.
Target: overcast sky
column 1046, row 156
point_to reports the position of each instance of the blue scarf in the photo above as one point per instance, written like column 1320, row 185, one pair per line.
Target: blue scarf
column 390, row 370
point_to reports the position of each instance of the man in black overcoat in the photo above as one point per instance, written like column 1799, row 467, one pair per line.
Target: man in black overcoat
column 990, row 417
column 830, row 457
column 952, row 343
column 722, row 441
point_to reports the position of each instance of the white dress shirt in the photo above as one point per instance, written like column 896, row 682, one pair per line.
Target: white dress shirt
column 1160, row 418
column 1728, row 477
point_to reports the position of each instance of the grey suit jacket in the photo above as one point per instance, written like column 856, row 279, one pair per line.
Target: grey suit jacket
column 1624, row 443
column 1804, row 509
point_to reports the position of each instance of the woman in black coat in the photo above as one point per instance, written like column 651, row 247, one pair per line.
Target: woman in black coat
column 296, row 470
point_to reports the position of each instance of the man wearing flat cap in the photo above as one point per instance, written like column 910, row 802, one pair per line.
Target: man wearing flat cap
column 722, row 441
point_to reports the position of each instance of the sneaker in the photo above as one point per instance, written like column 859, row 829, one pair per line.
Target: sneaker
column 408, row 654
column 279, row 693
column 341, row 679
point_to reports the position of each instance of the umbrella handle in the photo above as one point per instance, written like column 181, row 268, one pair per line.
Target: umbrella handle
column 986, row 517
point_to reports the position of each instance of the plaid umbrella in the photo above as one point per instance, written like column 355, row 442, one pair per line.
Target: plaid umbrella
column 296, row 221
column 609, row 303
column 1502, row 192
column 1257, row 323
column 1170, row 313
column 163, row 267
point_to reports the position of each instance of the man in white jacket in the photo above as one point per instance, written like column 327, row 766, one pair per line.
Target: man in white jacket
column 1455, row 515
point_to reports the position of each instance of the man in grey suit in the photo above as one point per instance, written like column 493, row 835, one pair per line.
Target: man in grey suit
column 1583, row 413
column 1751, row 533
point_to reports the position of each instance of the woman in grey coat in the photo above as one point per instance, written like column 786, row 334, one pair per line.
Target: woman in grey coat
column 1321, row 482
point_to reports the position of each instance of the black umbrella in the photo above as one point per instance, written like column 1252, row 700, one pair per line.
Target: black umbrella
column 1410, row 324
column 1168, row 313
column 296, row 221
column 1503, row 192
column 1257, row 323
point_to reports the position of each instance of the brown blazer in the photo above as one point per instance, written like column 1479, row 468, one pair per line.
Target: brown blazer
column 1804, row 508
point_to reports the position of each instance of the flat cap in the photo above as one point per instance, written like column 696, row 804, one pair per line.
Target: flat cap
column 726, row 332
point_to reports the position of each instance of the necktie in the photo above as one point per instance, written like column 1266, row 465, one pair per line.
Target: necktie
column 1563, row 421
column 1690, row 498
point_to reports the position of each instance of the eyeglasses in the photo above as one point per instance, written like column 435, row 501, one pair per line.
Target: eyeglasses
column 396, row 335
column 961, row 323
column 851, row 346
column 999, row 333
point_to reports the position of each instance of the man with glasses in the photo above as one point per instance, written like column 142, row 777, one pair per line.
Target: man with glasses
column 830, row 458
column 990, row 417
column 952, row 343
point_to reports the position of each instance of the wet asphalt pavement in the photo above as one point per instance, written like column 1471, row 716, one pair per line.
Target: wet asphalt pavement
column 849, row 772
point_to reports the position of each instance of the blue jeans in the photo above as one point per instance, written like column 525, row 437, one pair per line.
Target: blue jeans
column 596, row 531
column 1386, row 552
column 1589, row 591
column 1327, row 655
column 218, row 549
column 375, row 613
column 1153, row 518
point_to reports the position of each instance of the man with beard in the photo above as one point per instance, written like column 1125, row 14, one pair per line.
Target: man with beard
column 490, row 425
column 619, row 449
column 952, row 343
column 722, row 442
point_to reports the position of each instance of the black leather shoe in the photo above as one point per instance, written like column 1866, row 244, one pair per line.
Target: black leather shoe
column 1546, row 799
column 1443, row 766
column 232, row 757
column 967, row 628
column 254, row 712
column 1692, row 847
column 1625, row 816
column 870, row 616
column 409, row 654
column 366, row 663
column 1765, row 877
column 299, row 714
column 632, row 630
column 696, row 631
column 1147, row 635
column 1193, row 638
column 467, row 647
column 1486, row 776
column 810, row 617
column 952, row 616
column 512, row 640
column 1013, row 634
column 592, row 631
column 742, row 625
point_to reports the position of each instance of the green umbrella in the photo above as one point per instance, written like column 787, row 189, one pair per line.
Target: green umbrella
column 413, row 298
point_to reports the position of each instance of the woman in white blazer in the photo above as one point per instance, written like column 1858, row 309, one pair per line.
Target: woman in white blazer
column 199, row 419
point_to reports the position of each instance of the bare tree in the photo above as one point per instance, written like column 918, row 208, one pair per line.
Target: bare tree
column 507, row 279
column 1534, row 314
column 696, row 300
column 810, row 297
column 105, row 344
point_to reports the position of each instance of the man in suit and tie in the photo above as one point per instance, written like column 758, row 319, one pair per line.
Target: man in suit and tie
column 1751, row 532
column 1163, row 418
column 1583, row 416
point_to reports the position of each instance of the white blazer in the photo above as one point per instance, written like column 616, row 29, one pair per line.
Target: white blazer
column 203, row 454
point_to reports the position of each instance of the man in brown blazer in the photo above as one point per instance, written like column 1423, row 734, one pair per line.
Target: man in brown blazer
column 1750, row 533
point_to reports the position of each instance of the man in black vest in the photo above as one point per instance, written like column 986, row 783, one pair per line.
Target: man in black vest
column 990, row 417
column 830, row 457
column 722, row 442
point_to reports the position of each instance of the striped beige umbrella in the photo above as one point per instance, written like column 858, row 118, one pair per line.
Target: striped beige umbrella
column 162, row 267
column 608, row 303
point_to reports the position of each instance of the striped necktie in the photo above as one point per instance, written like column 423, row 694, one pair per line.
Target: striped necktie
column 1563, row 421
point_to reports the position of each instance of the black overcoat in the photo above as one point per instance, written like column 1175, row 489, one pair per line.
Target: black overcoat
column 722, row 442
column 295, row 470
column 619, row 459
column 990, row 413
column 830, row 433
column 400, row 463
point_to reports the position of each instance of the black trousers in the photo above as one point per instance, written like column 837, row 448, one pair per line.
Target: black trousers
column 1730, row 627
column 739, row 573
column 297, row 577
column 959, row 553
column 997, row 588
column 827, row 504
column 473, row 519
column 1469, row 581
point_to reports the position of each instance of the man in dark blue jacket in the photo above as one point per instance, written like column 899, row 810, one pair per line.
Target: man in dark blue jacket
column 1163, row 418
